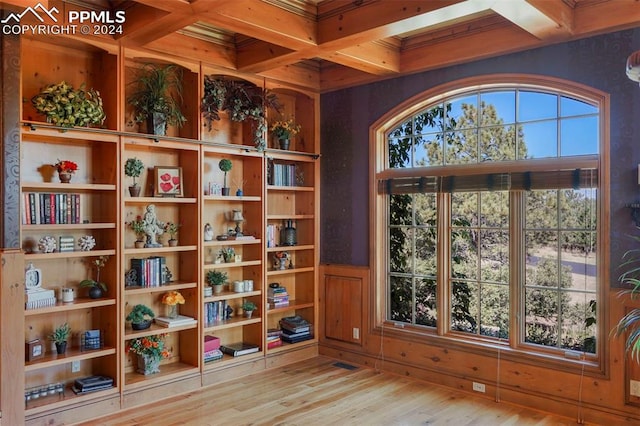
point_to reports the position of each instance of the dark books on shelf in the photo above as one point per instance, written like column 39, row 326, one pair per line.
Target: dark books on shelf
column 50, row 208
column 295, row 324
column 237, row 349
column 150, row 271
column 92, row 384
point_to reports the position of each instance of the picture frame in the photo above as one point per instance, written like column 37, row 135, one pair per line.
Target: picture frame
column 34, row 349
column 168, row 181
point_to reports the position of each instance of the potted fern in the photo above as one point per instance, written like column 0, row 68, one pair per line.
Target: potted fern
column 157, row 97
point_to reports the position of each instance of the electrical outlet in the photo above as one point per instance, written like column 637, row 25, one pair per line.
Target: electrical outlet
column 356, row 333
column 634, row 388
column 75, row 366
column 478, row 387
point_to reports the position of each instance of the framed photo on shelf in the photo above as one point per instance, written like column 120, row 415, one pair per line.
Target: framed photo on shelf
column 168, row 181
column 34, row 349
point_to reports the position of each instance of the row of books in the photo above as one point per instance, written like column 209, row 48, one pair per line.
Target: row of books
column 149, row 272
column 50, row 208
column 215, row 311
column 282, row 174
column 273, row 235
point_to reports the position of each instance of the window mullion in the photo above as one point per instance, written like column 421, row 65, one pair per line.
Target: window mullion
column 443, row 288
column 517, row 314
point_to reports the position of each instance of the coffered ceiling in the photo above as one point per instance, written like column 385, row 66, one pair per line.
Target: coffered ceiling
column 325, row 45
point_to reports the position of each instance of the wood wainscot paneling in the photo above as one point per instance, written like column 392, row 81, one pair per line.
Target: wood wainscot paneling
column 342, row 301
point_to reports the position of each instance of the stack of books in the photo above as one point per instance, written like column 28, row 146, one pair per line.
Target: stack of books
column 92, row 384
column 179, row 321
column 238, row 349
column 212, row 350
column 295, row 329
column 273, row 338
column 277, row 297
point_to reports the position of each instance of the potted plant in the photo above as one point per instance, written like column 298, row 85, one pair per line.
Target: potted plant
column 243, row 100
column 140, row 317
column 171, row 228
column 60, row 336
column 67, row 107
column 216, row 279
column 150, row 350
column 248, row 307
column 137, row 226
column 133, row 168
column 630, row 323
column 283, row 130
column 96, row 287
column 225, row 165
column 229, row 254
column 157, row 97
column 65, row 169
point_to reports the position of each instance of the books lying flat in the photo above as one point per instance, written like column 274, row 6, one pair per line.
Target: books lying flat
column 175, row 322
column 91, row 384
column 297, row 339
column 213, row 355
column 237, row 349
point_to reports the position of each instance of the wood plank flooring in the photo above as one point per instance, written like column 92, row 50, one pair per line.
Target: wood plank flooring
column 318, row 392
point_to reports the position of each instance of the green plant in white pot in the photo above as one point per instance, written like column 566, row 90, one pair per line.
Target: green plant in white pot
column 133, row 168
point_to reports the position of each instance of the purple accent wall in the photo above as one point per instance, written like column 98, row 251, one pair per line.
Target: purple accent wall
column 346, row 115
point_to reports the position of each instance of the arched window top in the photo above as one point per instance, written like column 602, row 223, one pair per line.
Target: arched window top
column 495, row 124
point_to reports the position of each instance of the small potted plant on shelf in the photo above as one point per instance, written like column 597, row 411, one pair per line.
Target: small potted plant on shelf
column 150, row 350
column 96, row 287
column 137, row 226
column 171, row 228
column 140, row 317
column 229, row 254
column 60, row 336
column 65, row 169
column 133, row 168
column 248, row 307
column 283, row 130
column 216, row 279
column 157, row 97
column 67, row 107
column 172, row 299
column 225, row 165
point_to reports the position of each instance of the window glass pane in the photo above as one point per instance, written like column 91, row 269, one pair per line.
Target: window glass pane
column 498, row 143
column 580, row 259
column 536, row 106
column 464, row 208
column 400, row 299
column 461, row 147
column 399, row 152
column 401, row 249
column 538, row 140
column 464, row 111
column 494, row 258
column 426, row 252
column 428, row 150
column 425, row 208
column 579, row 136
column 497, row 108
column 542, row 209
column 494, row 210
column 464, row 302
column 425, row 308
column 541, row 311
column 400, row 209
column 430, row 121
column 494, row 311
column 578, row 323
column 542, row 267
column 571, row 107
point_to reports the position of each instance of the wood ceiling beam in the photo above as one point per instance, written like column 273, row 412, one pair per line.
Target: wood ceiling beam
column 195, row 49
column 258, row 56
column 609, row 16
column 377, row 58
column 144, row 25
column 545, row 19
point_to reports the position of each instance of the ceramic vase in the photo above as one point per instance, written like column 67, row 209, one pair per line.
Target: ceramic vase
column 148, row 364
column 64, row 177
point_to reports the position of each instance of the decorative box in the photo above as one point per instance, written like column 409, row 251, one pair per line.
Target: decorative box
column 211, row 343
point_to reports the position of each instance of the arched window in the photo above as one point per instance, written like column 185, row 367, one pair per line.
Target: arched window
column 489, row 217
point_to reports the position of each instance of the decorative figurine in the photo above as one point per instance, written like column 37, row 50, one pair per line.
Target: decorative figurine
column 208, row 232
column 47, row 244
column 152, row 227
column 86, row 242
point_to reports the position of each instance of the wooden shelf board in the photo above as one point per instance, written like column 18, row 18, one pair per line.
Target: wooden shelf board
column 160, row 142
column 290, row 188
column 160, row 200
column 291, row 248
column 228, row 360
column 155, row 330
column 217, row 243
column 136, row 381
column 290, row 271
column 289, row 216
column 230, row 323
column 66, row 187
column 293, row 305
column 177, row 285
column 69, row 254
column 287, row 346
column 154, row 250
column 37, row 128
column 300, row 156
column 72, row 354
column 231, row 198
column 53, row 403
column 232, row 264
column 226, row 295
column 68, row 226
column 78, row 303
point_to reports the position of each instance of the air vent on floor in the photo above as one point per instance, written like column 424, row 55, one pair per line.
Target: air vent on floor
column 345, row 366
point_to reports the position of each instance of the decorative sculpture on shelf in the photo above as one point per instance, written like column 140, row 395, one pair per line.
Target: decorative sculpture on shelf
column 152, row 226
column 208, row 232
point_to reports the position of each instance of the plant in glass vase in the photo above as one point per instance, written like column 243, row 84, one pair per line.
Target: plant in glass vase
column 65, row 169
column 172, row 299
column 96, row 287
column 150, row 350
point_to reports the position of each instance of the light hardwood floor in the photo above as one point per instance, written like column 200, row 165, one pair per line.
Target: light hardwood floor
column 317, row 392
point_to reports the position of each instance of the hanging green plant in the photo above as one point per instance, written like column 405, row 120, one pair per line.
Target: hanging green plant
column 242, row 100
column 65, row 106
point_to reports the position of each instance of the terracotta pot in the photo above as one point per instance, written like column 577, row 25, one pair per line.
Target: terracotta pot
column 139, row 244
column 173, row 242
column 134, row 190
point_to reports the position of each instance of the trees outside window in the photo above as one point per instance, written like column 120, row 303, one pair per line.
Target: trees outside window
column 492, row 197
